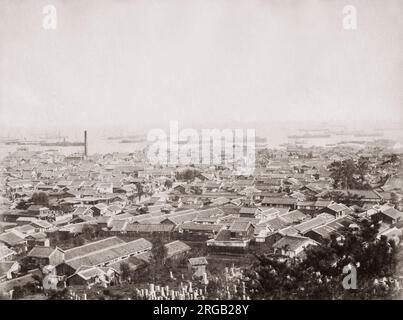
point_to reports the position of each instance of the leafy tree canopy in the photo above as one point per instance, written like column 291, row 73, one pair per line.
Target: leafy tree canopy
column 320, row 274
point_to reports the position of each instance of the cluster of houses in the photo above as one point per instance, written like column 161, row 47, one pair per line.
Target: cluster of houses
column 283, row 208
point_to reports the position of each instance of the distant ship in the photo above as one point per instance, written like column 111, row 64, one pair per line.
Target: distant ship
column 342, row 133
column 128, row 138
column 375, row 134
column 10, row 142
column 310, row 136
column 133, row 140
column 352, row 141
column 314, row 130
column 63, row 143
column 21, row 142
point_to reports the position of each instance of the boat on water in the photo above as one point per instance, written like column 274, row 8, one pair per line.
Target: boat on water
column 137, row 140
column 21, row 143
column 314, row 130
column 374, row 134
column 63, row 143
column 129, row 137
column 352, row 141
column 342, row 133
column 310, row 136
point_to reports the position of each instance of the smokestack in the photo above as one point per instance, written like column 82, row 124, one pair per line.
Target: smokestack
column 85, row 143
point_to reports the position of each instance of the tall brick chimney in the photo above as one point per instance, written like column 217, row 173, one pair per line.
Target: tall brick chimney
column 85, row 143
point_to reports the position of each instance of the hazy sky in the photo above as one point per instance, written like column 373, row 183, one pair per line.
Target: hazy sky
column 121, row 62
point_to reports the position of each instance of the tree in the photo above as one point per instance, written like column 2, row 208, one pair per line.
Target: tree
column 158, row 256
column 89, row 232
column 125, row 270
column 197, row 190
column 349, row 174
column 142, row 209
column 348, row 199
column 18, row 292
column 187, row 174
column 263, row 158
column 395, row 200
column 58, row 294
column 78, row 241
column 140, row 190
column 168, row 183
column 320, row 274
column 213, row 288
column 40, row 198
column 30, row 288
column 22, row 205
column 394, row 159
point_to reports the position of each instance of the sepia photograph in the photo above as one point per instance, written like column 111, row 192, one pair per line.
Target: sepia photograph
column 217, row 151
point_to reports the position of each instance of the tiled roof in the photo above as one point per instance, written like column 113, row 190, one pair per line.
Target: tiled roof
column 89, row 272
column 109, row 253
column 294, row 216
column 292, row 243
column 176, row 247
column 92, row 247
column 191, row 226
column 11, row 238
column 239, row 226
column 276, row 223
column 41, row 223
column 337, row 207
column 285, row 201
column 249, row 210
column 393, row 213
column 291, row 231
column 315, row 222
column 41, row 252
column 5, row 266
column 5, row 252
column 198, row 261
column 148, row 227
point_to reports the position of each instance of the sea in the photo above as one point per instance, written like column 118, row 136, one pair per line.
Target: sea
column 125, row 140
